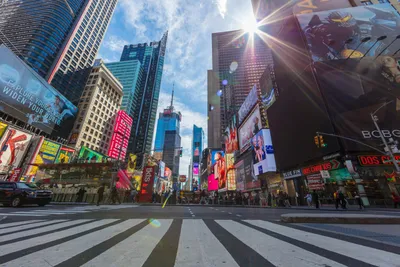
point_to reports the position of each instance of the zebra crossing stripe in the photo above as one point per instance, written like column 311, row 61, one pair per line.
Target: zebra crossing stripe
column 59, row 211
column 198, row 247
column 362, row 253
column 26, row 226
column 32, row 242
column 57, row 254
column 38, row 230
column 276, row 251
column 134, row 250
column 6, row 225
column 26, row 214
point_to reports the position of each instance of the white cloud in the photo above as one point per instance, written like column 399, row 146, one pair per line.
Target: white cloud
column 222, row 7
column 114, row 43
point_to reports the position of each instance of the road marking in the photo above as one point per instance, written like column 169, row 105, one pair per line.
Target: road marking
column 27, row 226
column 222, row 211
column 56, row 254
column 216, row 209
column 5, row 225
column 22, row 245
column 359, row 252
column 26, row 214
column 134, row 250
column 193, row 215
column 230, row 213
column 208, row 252
column 238, row 215
column 276, row 251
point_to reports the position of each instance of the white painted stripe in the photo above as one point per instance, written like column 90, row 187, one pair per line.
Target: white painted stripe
column 134, row 250
column 238, row 215
column 198, row 247
column 63, row 211
column 28, row 225
column 230, row 213
column 26, row 214
column 62, row 252
column 35, row 214
column 39, row 230
column 359, row 252
column 4, row 225
column 21, row 245
column 276, row 251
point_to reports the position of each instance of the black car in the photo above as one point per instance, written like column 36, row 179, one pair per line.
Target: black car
column 16, row 194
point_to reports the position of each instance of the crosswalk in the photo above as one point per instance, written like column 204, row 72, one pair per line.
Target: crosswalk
column 64, row 211
column 178, row 243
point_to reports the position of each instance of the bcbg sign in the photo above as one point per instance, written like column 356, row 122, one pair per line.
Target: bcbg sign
column 147, row 184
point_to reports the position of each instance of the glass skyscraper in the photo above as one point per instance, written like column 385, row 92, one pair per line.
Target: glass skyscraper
column 59, row 39
column 151, row 57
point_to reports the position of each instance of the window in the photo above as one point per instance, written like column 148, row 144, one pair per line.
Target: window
column 367, row 3
column 84, row 136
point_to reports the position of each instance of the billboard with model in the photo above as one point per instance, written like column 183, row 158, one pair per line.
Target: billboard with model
column 29, row 98
column 231, row 137
column 341, row 33
column 230, row 172
column 251, row 126
column 263, row 152
column 217, row 176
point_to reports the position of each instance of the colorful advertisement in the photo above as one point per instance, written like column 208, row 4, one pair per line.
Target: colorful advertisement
column 130, row 168
column 219, row 167
column 309, row 6
column 249, row 128
column 13, row 146
column 240, row 176
column 137, row 180
column 340, row 33
column 147, row 184
column 195, row 168
column 28, row 97
column 3, row 128
column 248, row 104
column 315, row 182
column 263, row 152
column 120, row 137
column 46, row 155
column 230, row 172
column 231, row 137
column 212, row 183
column 251, row 180
column 65, row 155
column 90, row 155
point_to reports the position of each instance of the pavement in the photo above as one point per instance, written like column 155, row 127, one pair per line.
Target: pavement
column 195, row 236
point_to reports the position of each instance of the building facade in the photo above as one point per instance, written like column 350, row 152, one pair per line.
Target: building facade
column 151, row 57
column 197, row 148
column 100, row 101
column 239, row 59
column 61, row 46
column 214, row 110
column 119, row 140
column 171, row 155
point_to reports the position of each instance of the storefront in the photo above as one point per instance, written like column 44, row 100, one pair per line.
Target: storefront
column 295, row 186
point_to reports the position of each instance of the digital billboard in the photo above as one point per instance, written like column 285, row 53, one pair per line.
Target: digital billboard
column 230, row 172
column 231, row 137
column 240, row 176
column 29, row 98
column 263, row 152
column 120, row 136
column 248, row 104
column 251, row 126
column 338, row 34
column 217, row 175
column 130, row 168
column 251, row 180
column 46, row 155
column 195, row 168
column 65, row 155
column 3, row 128
column 90, row 155
column 147, row 184
column 358, row 89
column 13, row 146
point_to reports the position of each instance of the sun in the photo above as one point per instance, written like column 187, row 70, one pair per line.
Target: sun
column 250, row 26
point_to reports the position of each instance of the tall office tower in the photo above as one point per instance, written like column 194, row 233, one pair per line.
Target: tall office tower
column 100, row 101
column 197, row 148
column 214, row 110
column 151, row 57
column 239, row 59
column 168, row 120
column 56, row 37
column 171, row 155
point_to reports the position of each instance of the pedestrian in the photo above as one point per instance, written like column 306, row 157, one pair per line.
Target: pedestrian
column 80, row 194
column 359, row 200
column 342, row 200
column 203, row 197
column 100, row 193
column 114, row 195
column 133, row 195
column 308, row 197
column 269, row 199
column 257, row 199
column 287, row 202
column 316, row 199
column 153, row 196
column 396, row 199
column 337, row 199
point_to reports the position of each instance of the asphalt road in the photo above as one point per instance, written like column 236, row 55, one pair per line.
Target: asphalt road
column 203, row 236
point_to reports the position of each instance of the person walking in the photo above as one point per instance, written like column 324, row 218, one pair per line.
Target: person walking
column 114, row 195
column 133, row 195
column 100, row 194
column 80, row 194
column 359, row 200
column 316, row 199
column 269, row 199
column 396, row 199
column 287, row 202
column 337, row 199
column 203, row 197
column 308, row 197
column 342, row 200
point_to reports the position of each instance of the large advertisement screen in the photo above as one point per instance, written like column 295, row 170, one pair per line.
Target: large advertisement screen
column 3, row 128
column 339, row 34
column 239, row 173
column 249, row 128
column 231, row 137
column 13, row 146
column 120, row 137
column 263, row 152
column 90, row 155
column 46, row 155
column 217, row 178
column 230, row 172
column 29, row 98
column 248, row 104
column 195, row 168
column 358, row 89
column 251, row 180
column 65, row 155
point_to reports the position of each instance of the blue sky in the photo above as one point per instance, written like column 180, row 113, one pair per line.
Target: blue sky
column 190, row 24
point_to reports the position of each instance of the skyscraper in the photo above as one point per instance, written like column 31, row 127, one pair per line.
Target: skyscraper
column 168, row 120
column 151, row 57
column 197, row 148
column 171, row 157
column 214, row 110
column 239, row 60
column 57, row 38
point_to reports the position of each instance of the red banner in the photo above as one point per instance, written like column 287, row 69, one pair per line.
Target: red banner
column 315, row 182
column 147, row 184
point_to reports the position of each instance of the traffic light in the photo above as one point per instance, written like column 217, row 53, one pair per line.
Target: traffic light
column 316, row 140
column 321, row 141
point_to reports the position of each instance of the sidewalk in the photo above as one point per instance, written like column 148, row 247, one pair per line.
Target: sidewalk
column 329, row 218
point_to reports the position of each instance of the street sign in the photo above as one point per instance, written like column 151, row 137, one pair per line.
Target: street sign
column 324, row 166
column 325, row 174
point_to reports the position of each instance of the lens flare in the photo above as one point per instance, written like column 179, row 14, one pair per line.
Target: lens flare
column 219, row 93
column 225, row 82
column 155, row 223
column 233, row 67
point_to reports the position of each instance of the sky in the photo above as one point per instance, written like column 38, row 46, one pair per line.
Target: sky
column 190, row 24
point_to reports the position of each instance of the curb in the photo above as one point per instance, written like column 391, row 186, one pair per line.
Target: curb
column 307, row 218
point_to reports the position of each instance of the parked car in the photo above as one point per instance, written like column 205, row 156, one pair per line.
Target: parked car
column 16, row 194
